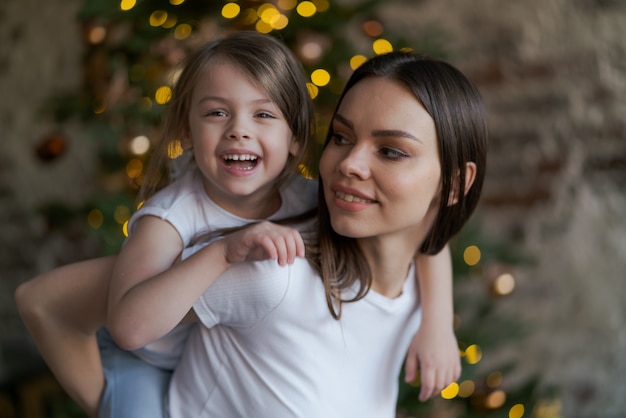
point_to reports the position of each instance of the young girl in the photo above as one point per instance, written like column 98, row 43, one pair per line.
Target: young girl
column 242, row 110
column 401, row 173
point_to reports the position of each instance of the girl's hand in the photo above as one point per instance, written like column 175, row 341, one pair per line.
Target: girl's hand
column 435, row 353
column 264, row 241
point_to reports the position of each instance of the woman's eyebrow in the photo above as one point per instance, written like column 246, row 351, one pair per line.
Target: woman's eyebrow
column 381, row 133
column 394, row 133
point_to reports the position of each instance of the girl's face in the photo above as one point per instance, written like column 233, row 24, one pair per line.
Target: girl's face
column 381, row 170
column 240, row 139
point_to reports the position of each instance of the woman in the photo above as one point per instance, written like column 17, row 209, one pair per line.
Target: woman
column 401, row 173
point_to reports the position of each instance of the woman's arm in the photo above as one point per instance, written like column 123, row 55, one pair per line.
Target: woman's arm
column 147, row 298
column 434, row 349
column 62, row 309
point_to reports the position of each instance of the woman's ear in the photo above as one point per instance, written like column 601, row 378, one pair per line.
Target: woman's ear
column 470, row 176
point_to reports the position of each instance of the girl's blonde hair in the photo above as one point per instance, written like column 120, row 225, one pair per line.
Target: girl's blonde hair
column 270, row 65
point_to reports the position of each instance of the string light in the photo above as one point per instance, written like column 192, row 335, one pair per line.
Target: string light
column 182, row 31
column 95, row 218
column 157, row 18
column 516, row 411
column 163, row 95
column 357, row 60
column 230, row 10
column 125, row 229
column 382, row 46
column 313, row 90
column 126, row 5
column 286, row 4
column 174, row 149
column 373, row 28
column 451, row 391
column 121, row 214
column 139, row 145
column 473, row 354
column 176, row 2
column 306, row 9
column 495, row 399
column 504, row 284
column 134, row 168
column 471, row 255
column 466, row 389
column 321, row 5
column 96, row 34
column 320, row 77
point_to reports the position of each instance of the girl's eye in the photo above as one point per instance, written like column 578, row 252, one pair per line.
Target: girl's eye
column 265, row 115
column 219, row 113
column 392, row 154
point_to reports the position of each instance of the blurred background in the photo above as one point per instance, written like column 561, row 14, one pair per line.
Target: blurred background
column 539, row 272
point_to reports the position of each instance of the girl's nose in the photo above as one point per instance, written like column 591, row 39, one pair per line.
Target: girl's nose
column 355, row 163
column 238, row 130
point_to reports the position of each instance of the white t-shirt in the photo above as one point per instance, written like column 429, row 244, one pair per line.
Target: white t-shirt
column 186, row 206
column 268, row 347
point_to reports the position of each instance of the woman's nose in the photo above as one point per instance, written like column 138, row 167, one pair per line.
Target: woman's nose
column 355, row 163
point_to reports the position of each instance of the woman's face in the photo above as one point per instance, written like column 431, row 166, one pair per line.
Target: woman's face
column 381, row 170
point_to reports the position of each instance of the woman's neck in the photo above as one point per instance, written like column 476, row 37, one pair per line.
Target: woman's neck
column 389, row 263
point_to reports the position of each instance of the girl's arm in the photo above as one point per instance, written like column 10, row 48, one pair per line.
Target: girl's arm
column 434, row 349
column 148, row 298
column 62, row 309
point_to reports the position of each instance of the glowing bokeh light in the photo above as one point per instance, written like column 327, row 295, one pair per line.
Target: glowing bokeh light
column 451, row 391
column 473, row 354
column 311, row 50
column 139, row 145
column 230, row 10
column 134, row 168
column 174, row 149
column 373, row 28
column 158, row 17
column 306, row 9
column 280, row 22
column 95, row 218
column 320, row 77
column 170, row 22
column 357, row 60
column 96, row 34
column 504, row 284
column 471, row 255
column 494, row 379
column 263, row 27
column 313, row 90
column 286, row 4
column 121, row 214
column 182, row 31
column 466, row 389
column 99, row 106
column 516, row 411
column 127, row 4
column 176, row 2
column 495, row 399
column 125, row 229
column 163, row 95
column 382, row 46
column 321, row 5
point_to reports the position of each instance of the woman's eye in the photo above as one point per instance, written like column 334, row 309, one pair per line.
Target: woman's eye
column 392, row 154
column 339, row 139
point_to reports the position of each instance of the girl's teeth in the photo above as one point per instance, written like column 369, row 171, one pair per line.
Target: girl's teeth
column 244, row 157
